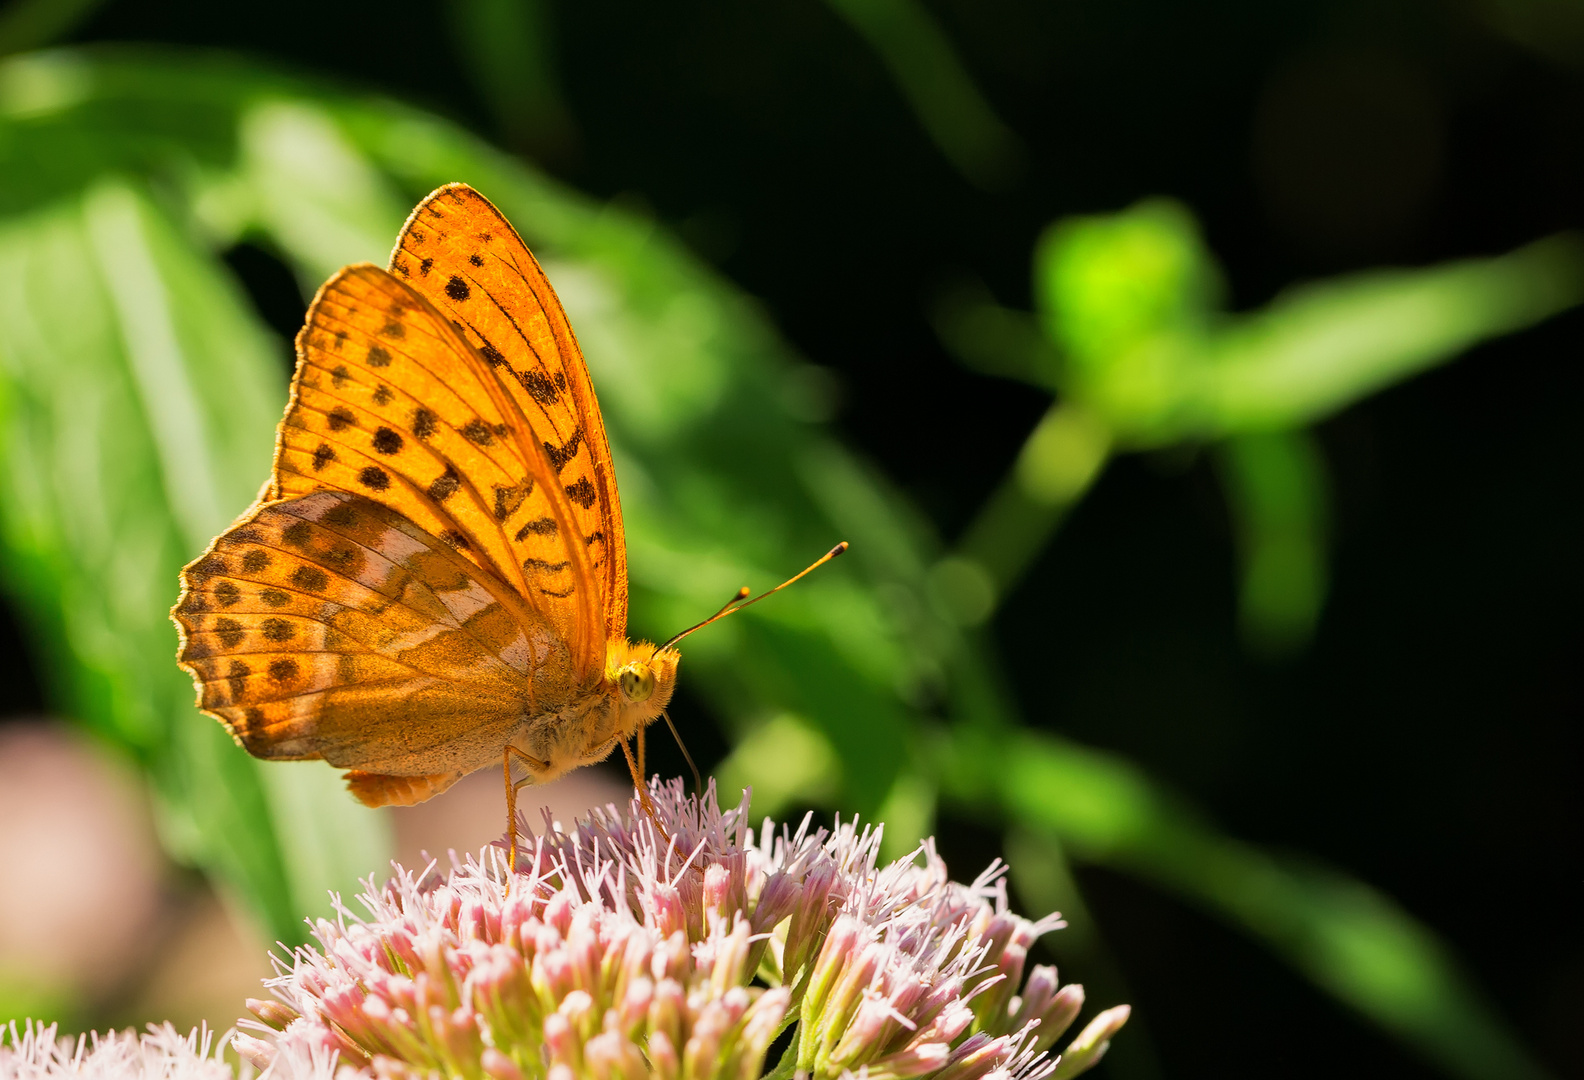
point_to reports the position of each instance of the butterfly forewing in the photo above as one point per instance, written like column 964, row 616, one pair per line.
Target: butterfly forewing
column 460, row 253
column 391, row 403
column 330, row 626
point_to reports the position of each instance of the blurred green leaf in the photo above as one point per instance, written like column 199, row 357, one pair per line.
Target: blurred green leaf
column 1141, row 358
column 1347, row 937
column 33, row 24
column 142, row 397
column 995, row 340
column 1321, row 347
column 1059, row 461
column 938, row 88
column 1275, row 484
column 508, row 49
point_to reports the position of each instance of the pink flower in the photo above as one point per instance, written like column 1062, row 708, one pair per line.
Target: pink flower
column 679, row 948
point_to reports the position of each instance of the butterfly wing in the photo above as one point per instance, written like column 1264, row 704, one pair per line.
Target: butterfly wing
column 390, row 402
column 465, row 257
column 329, row 626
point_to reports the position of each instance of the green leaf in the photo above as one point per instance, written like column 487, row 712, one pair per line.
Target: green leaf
column 1347, row 937
column 143, row 396
column 1275, row 484
column 938, row 87
column 1319, row 348
column 510, row 51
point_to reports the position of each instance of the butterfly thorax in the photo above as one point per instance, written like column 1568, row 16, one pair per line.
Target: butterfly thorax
column 633, row 690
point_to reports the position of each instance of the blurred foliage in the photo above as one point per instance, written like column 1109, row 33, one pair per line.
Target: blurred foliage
column 1131, row 337
column 31, row 24
column 139, row 390
column 938, row 88
column 509, row 49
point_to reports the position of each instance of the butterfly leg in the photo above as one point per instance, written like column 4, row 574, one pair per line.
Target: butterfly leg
column 511, row 796
column 641, row 785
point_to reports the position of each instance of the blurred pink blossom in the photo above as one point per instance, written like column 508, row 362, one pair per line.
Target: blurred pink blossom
column 37, row 1052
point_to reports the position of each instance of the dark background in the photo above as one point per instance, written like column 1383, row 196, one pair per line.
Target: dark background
column 1428, row 740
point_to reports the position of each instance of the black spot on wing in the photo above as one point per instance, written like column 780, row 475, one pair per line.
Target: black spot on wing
column 374, row 478
column 341, row 418
column 424, row 267
column 539, row 387
column 283, row 670
column 387, row 441
column 492, row 354
column 342, row 555
column 393, row 330
column 475, row 260
column 207, row 567
column 339, row 375
column 323, row 456
column 541, row 566
column 457, row 289
column 455, row 539
column 423, row 422
column 236, row 676
column 340, row 515
column 255, row 560
column 378, row 356
column 582, row 493
column 310, row 579
column 543, row 526
column 445, row 485
column 296, row 534
column 507, row 500
column 227, row 593
column 477, row 431
column 229, row 631
column 274, row 597
column 382, row 394
column 560, row 455
column 278, row 630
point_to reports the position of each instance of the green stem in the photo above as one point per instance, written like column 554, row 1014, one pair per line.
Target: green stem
column 1059, row 462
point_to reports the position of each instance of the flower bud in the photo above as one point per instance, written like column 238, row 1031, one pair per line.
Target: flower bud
column 274, row 1013
column 1059, row 1015
column 257, row 1051
column 663, row 1056
column 497, row 1066
column 1085, row 1051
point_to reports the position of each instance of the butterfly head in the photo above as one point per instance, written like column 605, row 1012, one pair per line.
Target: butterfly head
column 643, row 676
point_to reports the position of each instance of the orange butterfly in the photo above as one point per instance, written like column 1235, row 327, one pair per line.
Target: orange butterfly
column 435, row 576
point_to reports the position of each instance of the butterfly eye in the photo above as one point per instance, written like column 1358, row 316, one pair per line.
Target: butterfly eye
column 637, row 682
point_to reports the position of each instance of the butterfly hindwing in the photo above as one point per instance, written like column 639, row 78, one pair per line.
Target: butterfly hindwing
column 391, row 403
column 463, row 255
column 329, row 626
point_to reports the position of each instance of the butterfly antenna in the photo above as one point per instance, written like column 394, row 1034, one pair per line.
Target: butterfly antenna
column 737, row 603
column 698, row 781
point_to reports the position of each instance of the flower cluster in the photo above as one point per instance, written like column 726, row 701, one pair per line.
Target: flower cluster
column 676, row 943
column 37, row 1052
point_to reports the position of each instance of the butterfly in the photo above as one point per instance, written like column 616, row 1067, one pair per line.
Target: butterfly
column 434, row 578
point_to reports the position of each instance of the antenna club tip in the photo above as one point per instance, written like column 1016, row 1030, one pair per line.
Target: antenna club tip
column 838, row 549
